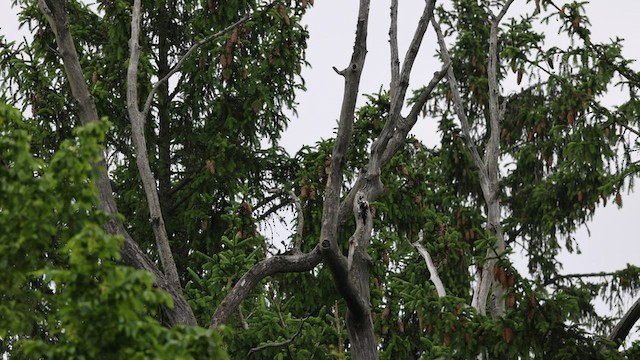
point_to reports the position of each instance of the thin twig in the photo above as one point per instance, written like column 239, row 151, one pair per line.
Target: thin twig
column 279, row 343
column 557, row 278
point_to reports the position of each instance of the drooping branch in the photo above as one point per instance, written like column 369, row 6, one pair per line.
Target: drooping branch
column 140, row 147
column 556, row 279
column 56, row 15
column 624, row 326
column 266, row 267
column 433, row 271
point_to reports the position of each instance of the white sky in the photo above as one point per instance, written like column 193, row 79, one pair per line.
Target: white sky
column 613, row 241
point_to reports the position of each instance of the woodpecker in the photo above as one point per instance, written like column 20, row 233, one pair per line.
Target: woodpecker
column 363, row 207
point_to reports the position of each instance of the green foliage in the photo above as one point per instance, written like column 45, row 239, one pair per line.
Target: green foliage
column 64, row 295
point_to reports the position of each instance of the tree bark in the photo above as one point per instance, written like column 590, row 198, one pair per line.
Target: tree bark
column 332, row 256
column 360, row 324
column 351, row 277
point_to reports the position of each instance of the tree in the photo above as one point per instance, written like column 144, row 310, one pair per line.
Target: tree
column 194, row 96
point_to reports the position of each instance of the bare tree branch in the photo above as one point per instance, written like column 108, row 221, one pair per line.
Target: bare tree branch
column 398, row 93
column 492, row 192
column 332, row 255
column 267, row 267
column 504, row 10
column 381, row 155
column 624, row 326
column 494, row 114
column 399, row 90
column 55, row 12
column 424, row 96
column 140, row 147
column 433, row 271
column 406, row 124
column 393, row 44
column 457, row 101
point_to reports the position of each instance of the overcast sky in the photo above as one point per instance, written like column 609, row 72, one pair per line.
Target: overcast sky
column 614, row 235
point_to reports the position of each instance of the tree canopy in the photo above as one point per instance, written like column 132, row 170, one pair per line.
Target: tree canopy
column 141, row 169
